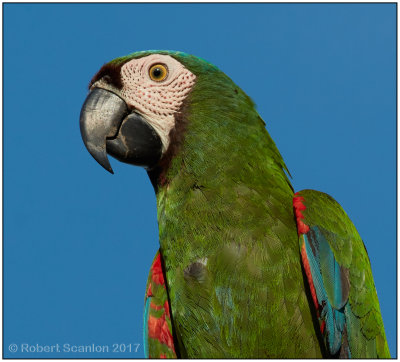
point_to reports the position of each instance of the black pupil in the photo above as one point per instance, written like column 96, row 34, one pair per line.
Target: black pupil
column 157, row 72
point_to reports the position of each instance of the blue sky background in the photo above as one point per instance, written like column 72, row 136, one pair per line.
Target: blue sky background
column 78, row 241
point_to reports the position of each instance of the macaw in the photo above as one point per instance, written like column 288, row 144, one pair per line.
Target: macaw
column 246, row 267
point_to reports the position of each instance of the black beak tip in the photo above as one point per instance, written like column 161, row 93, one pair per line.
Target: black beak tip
column 101, row 158
column 108, row 168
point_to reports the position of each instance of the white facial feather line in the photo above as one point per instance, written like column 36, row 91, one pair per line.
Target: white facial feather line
column 157, row 101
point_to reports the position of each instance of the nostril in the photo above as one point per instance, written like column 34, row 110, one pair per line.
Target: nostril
column 107, row 79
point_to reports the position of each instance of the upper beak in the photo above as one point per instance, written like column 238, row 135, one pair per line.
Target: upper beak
column 109, row 126
column 101, row 116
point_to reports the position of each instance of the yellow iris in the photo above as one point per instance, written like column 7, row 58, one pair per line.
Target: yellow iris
column 158, row 72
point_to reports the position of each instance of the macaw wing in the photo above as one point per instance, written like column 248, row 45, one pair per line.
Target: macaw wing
column 340, row 279
column 158, row 334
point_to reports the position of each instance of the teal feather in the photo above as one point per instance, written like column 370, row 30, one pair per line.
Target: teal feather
column 146, row 328
column 327, row 282
column 314, row 266
column 331, row 273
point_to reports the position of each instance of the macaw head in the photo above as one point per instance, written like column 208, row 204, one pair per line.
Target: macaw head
column 136, row 102
column 149, row 107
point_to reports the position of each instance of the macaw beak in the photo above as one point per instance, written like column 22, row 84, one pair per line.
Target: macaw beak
column 109, row 126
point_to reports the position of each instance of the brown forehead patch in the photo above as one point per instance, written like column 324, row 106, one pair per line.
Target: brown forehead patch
column 111, row 74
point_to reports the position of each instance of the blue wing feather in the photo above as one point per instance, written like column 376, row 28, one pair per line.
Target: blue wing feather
column 327, row 279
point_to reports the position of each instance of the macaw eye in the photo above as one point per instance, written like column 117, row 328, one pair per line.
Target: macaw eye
column 158, row 72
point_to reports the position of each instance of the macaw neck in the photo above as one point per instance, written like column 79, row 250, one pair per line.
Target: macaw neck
column 226, row 175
